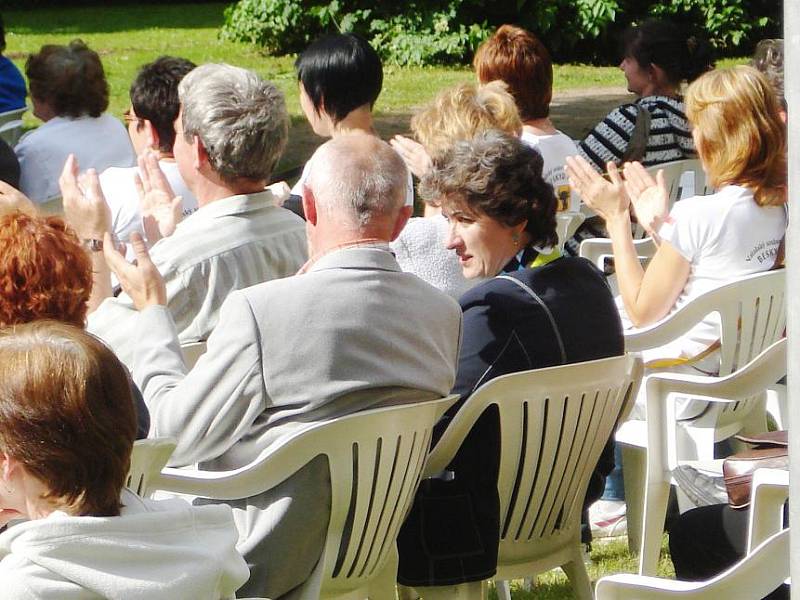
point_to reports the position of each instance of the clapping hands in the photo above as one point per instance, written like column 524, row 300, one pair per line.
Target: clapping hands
column 413, row 154
column 85, row 206
column 12, row 199
column 161, row 209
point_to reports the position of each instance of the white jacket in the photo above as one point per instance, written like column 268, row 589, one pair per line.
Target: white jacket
column 154, row 549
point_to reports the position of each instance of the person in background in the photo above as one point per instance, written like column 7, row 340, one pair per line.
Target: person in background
column 229, row 135
column 455, row 114
column 66, row 439
column 150, row 120
column 9, row 165
column 501, row 213
column 69, row 92
column 517, row 58
column 657, row 57
column 12, row 84
column 768, row 58
column 340, row 78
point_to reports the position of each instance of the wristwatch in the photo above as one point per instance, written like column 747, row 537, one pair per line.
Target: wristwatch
column 93, row 245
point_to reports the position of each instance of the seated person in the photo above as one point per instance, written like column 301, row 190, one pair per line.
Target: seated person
column 705, row 241
column 65, row 450
column 69, row 92
column 501, row 214
column 9, row 165
column 46, row 274
column 457, row 113
column 229, row 135
column 657, row 57
column 150, row 119
column 12, row 84
column 330, row 341
column 340, row 77
column 517, row 58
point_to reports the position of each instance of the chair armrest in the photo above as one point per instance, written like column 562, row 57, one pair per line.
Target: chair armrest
column 635, row 587
column 770, row 489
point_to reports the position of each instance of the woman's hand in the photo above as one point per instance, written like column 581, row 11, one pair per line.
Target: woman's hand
column 649, row 197
column 607, row 197
column 85, row 206
column 413, row 154
column 161, row 209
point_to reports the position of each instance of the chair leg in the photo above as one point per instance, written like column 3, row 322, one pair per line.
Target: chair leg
column 578, row 577
column 655, row 511
column 503, row 589
column 383, row 586
column 475, row 590
column 634, row 468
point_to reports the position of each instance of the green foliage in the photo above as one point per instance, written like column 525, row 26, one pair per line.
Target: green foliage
column 422, row 32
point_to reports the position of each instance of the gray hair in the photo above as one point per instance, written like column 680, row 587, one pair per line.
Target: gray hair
column 358, row 177
column 240, row 118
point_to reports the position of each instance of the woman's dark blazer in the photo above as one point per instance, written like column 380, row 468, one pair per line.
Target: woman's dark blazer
column 560, row 313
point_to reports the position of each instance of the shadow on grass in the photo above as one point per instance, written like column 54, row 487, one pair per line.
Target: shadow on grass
column 95, row 19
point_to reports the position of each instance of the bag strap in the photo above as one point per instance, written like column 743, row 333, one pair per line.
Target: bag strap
column 666, row 363
column 637, row 145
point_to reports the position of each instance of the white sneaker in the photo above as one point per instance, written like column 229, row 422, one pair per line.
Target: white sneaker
column 607, row 518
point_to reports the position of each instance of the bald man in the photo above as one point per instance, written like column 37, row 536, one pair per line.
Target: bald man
column 351, row 331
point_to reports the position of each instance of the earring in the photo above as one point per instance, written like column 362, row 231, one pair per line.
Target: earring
column 515, row 239
column 9, row 490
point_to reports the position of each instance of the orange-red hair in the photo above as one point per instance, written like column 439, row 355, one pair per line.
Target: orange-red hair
column 517, row 57
column 44, row 271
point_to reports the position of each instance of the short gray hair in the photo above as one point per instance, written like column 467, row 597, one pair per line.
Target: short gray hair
column 240, row 118
column 358, row 177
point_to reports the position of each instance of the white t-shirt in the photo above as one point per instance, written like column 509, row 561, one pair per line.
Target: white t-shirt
column 123, row 200
column 724, row 236
column 97, row 143
column 555, row 148
column 297, row 189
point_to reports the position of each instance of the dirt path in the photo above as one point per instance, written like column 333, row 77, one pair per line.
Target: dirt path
column 575, row 112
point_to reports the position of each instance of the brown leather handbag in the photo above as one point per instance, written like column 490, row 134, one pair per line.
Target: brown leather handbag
column 770, row 450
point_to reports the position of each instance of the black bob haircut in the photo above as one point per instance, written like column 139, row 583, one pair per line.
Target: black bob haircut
column 340, row 73
column 154, row 96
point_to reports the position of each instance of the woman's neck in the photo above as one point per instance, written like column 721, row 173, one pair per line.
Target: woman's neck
column 358, row 120
column 542, row 126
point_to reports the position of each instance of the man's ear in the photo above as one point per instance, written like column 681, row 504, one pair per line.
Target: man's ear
column 309, row 205
column 8, row 466
column 402, row 218
column 200, row 153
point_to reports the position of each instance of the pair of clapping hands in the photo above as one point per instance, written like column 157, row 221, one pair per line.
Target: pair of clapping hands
column 612, row 198
column 87, row 212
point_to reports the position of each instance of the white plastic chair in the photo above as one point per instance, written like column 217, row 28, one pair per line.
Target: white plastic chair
column 148, row 458
column 11, row 125
column 666, row 439
column 755, row 576
column 683, row 178
column 192, row 351
column 752, row 313
column 554, row 423
column 375, row 458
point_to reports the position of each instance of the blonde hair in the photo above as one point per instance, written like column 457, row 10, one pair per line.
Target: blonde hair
column 740, row 135
column 460, row 112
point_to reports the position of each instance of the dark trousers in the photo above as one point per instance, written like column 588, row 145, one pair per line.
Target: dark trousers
column 705, row 541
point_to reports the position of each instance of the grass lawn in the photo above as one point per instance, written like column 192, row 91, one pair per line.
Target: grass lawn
column 127, row 37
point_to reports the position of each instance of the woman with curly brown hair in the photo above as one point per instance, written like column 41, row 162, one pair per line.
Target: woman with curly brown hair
column 46, row 274
column 69, row 92
column 529, row 314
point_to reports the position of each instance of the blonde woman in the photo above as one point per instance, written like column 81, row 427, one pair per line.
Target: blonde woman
column 705, row 241
column 456, row 114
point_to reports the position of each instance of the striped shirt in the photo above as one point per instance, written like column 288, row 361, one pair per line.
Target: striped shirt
column 670, row 133
column 226, row 245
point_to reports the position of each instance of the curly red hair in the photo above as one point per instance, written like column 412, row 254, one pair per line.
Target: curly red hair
column 44, row 271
